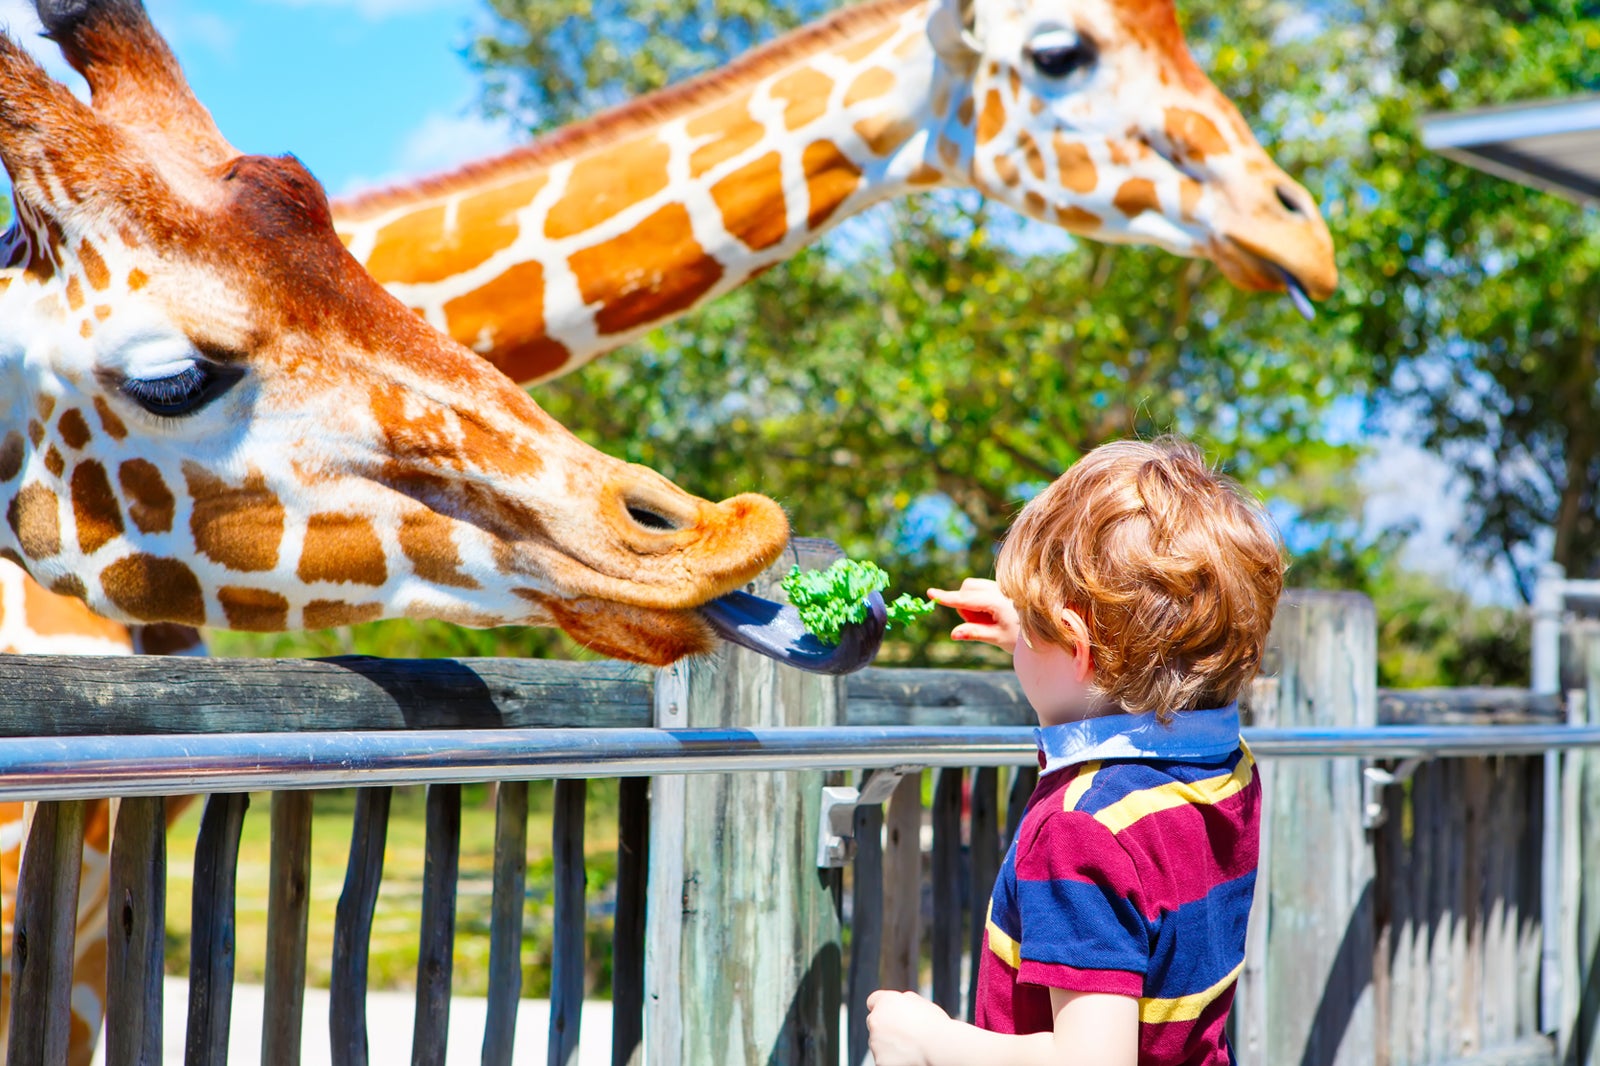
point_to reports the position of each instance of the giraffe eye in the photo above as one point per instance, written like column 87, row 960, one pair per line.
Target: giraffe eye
column 175, row 395
column 1062, row 53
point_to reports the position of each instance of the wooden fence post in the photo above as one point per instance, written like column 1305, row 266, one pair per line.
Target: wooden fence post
column 1306, row 996
column 1581, row 880
column 744, row 956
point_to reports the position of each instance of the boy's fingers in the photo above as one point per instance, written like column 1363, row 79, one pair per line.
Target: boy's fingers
column 989, row 634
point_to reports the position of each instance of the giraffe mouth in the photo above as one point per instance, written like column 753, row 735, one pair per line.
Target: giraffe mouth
column 1297, row 294
column 775, row 631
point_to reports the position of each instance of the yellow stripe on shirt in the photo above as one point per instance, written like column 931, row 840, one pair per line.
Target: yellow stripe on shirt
column 1009, row 951
column 1128, row 810
column 1079, row 786
column 1185, row 1008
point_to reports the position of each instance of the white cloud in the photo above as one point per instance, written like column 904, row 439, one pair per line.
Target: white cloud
column 442, row 140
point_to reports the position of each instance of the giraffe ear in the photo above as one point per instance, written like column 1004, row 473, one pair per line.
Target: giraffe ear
column 953, row 30
column 133, row 76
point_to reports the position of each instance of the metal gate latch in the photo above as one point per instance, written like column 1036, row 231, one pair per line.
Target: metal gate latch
column 1374, row 779
column 836, row 828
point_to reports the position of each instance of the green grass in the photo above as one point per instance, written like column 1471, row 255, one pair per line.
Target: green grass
column 396, row 922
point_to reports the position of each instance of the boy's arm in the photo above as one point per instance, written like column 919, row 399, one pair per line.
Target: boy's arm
column 1091, row 1029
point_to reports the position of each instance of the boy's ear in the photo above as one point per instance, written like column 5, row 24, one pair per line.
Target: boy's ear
column 1082, row 653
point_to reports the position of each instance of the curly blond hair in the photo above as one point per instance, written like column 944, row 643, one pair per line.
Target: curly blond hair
column 1174, row 568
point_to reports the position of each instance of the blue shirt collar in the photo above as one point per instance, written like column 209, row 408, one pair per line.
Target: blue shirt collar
column 1196, row 735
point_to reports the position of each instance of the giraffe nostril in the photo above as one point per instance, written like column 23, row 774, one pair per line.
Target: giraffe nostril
column 1290, row 201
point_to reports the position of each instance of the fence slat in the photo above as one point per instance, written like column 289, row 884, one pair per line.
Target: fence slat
column 211, row 940
column 984, row 864
column 441, row 865
column 947, row 890
column 288, row 913
column 45, row 929
column 902, row 886
column 352, row 928
column 136, row 923
column 505, row 921
column 866, row 925
column 1023, row 782
column 566, row 970
column 628, row 943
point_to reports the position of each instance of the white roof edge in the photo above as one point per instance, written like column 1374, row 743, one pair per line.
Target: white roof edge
column 1491, row 125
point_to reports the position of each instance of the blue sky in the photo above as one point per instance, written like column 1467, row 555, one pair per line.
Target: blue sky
column 361, row 90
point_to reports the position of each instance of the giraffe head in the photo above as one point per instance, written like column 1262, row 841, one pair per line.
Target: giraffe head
column 1092, row 114
column 210, row 414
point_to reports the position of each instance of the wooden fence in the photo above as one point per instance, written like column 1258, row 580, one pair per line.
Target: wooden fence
column 1400, row 918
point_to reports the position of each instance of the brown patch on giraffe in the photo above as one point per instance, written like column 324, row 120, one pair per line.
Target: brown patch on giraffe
column 752, row 202
column 342, row 548
column 513, row 305
column 941, row 100
column 856, row 51
column 1075, row 165
column 731, row 129
column 804, row 93
column 61, row 613
column 109, row 421
column 94, row 267
column 425, row 538
column 869, row 85
column 35, row 432
column 1136, row 196
column 73, row 428
column 949, row 151
column 830, row 179
column 965, row 109
column 1016, row 83
column 1076, row 218
column 1035, row 105
column 993, row 118
column 150, row 502
column 1193, row 135
column 614, row 273
column 884, row 133
column 153, row 589
column 1006, row 170
column 74, row 293
column 166, row 638
column 54, row 461
column 925, row 175
column 1031, row 155
column 419, row 248
column 1035, row 204
column 329, row 614
column 239, row 527
column 254, row 610
column 12, row 452
column 1121, row 153
column 607, row 182
column 102, row 311
column 137, row 279
column 1189, row 192
column 45, row 404
column 86, row 329
column 94, row 506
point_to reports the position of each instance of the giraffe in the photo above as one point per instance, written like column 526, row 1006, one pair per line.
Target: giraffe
column 210, row 414
column 1086, row 114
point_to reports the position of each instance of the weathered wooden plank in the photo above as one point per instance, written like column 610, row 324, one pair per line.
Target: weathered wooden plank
column 1584, row 1039
column 758, row 969
column 211, row 938
column 441, row 865
column 505, row 922
column 866, row 926
column 1320, row 937
column 136, row 923
column 984, row 865
column 628, row 941
column 288, row 914
column 352, row 928
column 566, row 970
column 1468, row 706
column 947, row 912
column 902, row 886
column 1023, row 781
column 1253, row 996
column 44, row 932
column 1384, row 921
column 66, row 696
column 900, row 696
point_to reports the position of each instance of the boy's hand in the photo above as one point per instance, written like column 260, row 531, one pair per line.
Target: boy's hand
column 901, row 1027
column 986, row 615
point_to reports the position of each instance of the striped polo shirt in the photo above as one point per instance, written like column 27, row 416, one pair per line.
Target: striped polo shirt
column 1131, row 873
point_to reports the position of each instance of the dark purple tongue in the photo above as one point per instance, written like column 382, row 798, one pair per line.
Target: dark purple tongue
column 774, row 630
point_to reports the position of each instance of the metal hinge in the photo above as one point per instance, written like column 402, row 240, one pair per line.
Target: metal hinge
column 836, row 828
column 1374, row 779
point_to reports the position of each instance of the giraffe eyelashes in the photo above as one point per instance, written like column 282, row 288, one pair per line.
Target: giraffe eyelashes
column 183, row 393
column 1061, row 53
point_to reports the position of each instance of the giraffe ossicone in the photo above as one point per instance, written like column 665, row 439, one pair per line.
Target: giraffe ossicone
column 210, row 414
column 1085, row 114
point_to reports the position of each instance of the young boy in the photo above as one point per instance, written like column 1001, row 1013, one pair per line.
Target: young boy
column 1135, row 594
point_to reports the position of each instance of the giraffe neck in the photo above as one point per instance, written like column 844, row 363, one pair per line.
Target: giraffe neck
column 571, row 247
